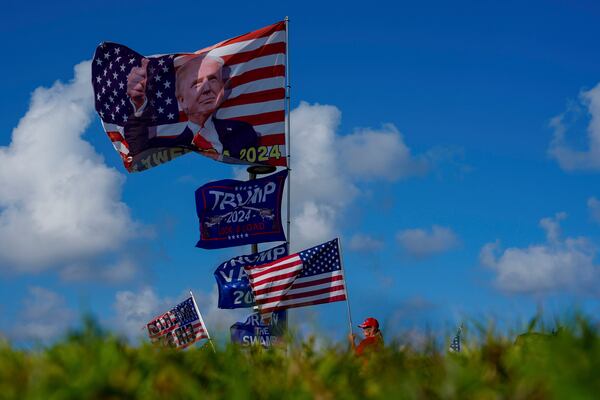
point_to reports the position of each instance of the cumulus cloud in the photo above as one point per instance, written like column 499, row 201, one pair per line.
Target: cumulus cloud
column 380, row 154
column 122, row 270
column 566, row 264
column 327, row 167
column 59, row 203
column 135, row 309
column 364, row 243
column 421, row 243
column 571, row 159
column 44, row 317
column 594, row 208
column 551, row 226
column 320, row 188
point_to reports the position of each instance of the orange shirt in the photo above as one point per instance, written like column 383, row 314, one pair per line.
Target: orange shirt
column 369, row 344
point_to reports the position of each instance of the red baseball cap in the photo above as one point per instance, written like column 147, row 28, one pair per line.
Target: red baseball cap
column 369, row 323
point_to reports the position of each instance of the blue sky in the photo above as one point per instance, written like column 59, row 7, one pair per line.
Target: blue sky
column 458, row 160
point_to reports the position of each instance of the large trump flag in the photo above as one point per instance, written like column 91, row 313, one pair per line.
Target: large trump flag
column 226, row 101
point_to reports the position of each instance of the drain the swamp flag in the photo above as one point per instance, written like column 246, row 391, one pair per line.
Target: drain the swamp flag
column 254, row 331
column 235, row 213
column 225, row 102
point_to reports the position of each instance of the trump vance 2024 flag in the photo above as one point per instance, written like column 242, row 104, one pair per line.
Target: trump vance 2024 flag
column 232, row 281
column 179, row 327
column 226, row 101
column 312, row 276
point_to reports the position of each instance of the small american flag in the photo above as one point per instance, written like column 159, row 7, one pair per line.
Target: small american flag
column 312, row 276
column 455, row 344
column 179, row 327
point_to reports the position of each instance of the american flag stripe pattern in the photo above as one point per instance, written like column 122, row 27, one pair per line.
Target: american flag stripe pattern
column 191, row 335
column 179, row 327
column 312, row 276
column 257, row 84
column 455, row 345
column 256, row 89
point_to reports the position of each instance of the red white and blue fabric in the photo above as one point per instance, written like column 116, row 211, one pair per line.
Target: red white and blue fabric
column 256, row 92
column 179, row 327
column 312, row 276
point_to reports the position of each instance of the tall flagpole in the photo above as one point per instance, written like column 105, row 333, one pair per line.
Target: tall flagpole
column 345, row 285
column 202, row 322
column 288, row 88
column 288, row 141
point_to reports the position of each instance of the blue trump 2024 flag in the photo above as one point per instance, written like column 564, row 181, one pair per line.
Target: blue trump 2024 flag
column 236, row 213
column 232, row 280
column 254, row 331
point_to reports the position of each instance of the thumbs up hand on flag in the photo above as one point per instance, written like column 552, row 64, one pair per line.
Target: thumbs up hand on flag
column 136, row 84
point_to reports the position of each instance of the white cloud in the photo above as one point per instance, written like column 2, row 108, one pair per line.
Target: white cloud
column 373, row 154
column 121, row 271
column 594, row 207
column 134, row 310
column 59, row 202
column 552, row 227
column 571, row 159
column 364, row 243
column 320, row 189
column 421, row 243
column 327, row 167
column 487, row 254
column 45, row 316
column 557, row 264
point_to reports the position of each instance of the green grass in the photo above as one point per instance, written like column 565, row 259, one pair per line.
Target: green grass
column 92, row 364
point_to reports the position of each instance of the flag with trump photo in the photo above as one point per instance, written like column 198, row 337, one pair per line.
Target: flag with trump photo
column 312, row 276
column 226, row 101
column 179, row 327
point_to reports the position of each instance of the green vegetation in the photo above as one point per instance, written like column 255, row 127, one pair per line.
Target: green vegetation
column 92, row 364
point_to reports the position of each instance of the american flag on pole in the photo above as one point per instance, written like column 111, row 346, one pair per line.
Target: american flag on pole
column 455, row 345
column 312, row 276
column 234, row 112
column 179, row 327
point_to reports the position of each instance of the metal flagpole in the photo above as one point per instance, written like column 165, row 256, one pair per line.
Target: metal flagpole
column 251, row 177
column 288, row 143
column 288, row 88
column 265, row 169
column 345, row 284
column 202, row 322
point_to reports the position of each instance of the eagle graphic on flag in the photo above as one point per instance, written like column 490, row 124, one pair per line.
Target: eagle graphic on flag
column 312, row 276
column 226, row 101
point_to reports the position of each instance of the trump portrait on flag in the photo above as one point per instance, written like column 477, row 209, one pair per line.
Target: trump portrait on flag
column 200, row 82
column 226, row 102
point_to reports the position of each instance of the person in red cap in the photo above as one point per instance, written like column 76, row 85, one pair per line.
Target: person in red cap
column 373, row 339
